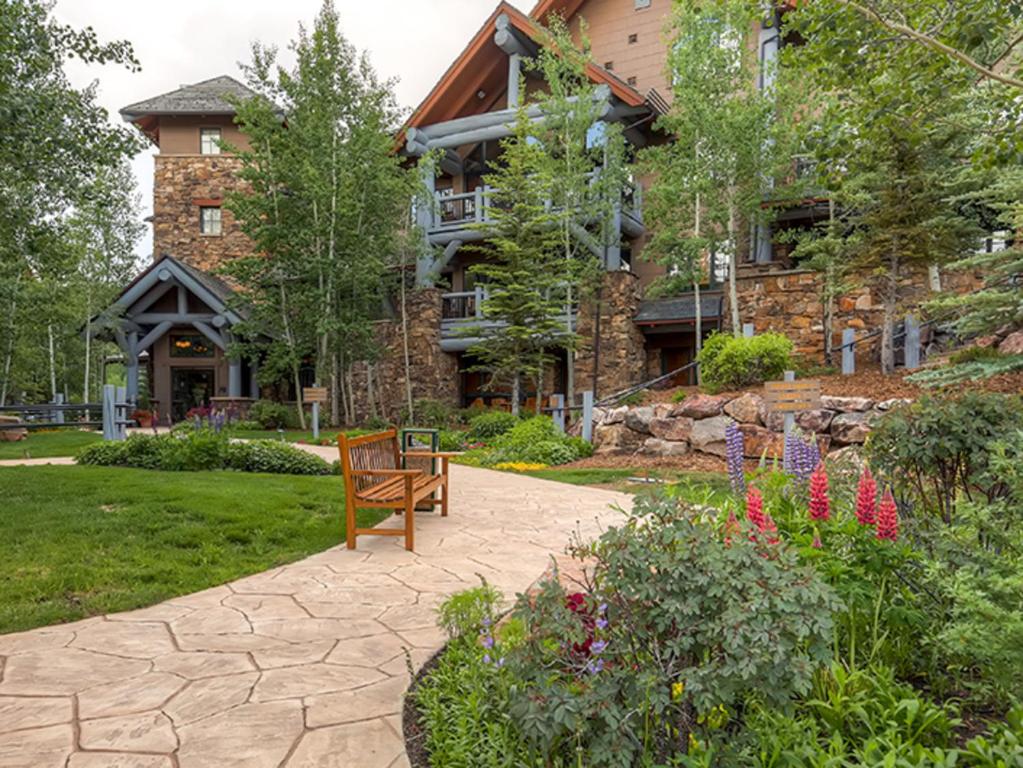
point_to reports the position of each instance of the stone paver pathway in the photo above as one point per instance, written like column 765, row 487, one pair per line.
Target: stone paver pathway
column 303, row 665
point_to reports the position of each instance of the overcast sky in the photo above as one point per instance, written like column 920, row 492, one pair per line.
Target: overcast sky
column 184, row 41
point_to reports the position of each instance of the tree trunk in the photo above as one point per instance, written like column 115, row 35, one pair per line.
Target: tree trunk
column 53, row 363
column 733, row 265
column 404, row 342
column 697, row 277
column 829, row 291
column 335, row 392
column 516, row 391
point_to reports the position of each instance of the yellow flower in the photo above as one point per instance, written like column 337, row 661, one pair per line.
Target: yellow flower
column 519, row 466
column 677, row 689
column 693, row 743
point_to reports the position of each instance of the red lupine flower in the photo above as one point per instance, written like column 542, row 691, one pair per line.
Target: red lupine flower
column 755, row 508
column 820, row 507
column 770, row 530
column 866, row 498
column 888, row 517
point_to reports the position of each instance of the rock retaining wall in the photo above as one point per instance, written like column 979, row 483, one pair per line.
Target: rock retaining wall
column 698, row 424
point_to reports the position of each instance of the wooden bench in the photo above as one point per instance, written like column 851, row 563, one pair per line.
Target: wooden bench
column 374, row 478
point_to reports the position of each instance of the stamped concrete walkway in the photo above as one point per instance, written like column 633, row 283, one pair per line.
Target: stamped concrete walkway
column 303, row 665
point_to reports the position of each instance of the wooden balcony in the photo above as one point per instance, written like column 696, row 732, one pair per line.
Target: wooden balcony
column 462, row 319
column 463, row 217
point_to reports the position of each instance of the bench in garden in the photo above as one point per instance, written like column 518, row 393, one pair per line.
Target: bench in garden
column 375, row 478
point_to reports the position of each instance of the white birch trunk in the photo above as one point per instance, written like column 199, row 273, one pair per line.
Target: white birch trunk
column 733, row 266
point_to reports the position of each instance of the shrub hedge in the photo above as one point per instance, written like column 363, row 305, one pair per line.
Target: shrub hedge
column 734, row 362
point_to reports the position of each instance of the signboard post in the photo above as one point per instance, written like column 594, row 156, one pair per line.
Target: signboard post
column 315, row 395
column 790, row 397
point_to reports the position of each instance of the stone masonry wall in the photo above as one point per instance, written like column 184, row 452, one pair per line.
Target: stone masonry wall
column 788, row 301
column 622, row 359
column 179, row 182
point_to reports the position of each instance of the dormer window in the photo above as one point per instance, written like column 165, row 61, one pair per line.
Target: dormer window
column 209, row 141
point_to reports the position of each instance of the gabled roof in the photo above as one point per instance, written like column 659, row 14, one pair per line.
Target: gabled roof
column 209, row 97
column 482, row 63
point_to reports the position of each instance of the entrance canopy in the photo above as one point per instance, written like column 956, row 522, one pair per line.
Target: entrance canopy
column 170, row 294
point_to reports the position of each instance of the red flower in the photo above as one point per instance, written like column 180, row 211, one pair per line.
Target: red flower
column 866, row 498
column 770, row 530
column 731, row 528
column 888, row 517
column 816, row 543
column 576, row 603
column 755, row 508
column 820, row 507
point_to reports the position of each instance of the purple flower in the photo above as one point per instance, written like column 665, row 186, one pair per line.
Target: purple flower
column 601, row 623
column 594, row 666
column 734, row 452
column 488, row 642
column 598, row 647
column 486, row 621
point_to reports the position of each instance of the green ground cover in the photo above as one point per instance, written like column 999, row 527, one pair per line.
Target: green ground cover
column 41, row 445
column 80, row 541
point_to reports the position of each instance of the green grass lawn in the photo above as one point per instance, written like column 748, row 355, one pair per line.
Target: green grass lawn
column 41, row 445
column 697, row 486
column 79, row 541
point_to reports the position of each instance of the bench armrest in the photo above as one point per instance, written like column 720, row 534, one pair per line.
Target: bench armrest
column 386, row 472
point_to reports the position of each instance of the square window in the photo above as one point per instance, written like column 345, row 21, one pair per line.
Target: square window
column 631, row 81
column 641, row 4
column 633, row 38
column 209, row 220
column 209, row 141
column 609, row 65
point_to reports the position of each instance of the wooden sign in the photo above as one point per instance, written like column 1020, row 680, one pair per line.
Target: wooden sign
column 314, row 394
column 792, row 396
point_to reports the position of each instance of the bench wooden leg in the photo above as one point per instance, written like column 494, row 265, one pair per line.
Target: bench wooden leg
column 410, row 516
column 350, row 522
column 445, row 489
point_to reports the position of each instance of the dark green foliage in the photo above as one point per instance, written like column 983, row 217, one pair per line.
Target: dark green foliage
column 451, row 440
column 734, row 362
column 535, row 441
column 938, row 448
column 973, row 370
column 200, row 450
column 463, row 614
column 490, row 424
column 270, row 415
column 974, row 354
column 431, row 414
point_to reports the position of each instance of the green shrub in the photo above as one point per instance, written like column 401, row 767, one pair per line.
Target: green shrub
column 432, row 414
column 938, row 448
column 678, row 396
column 270, row 415
column 451, row 440
column 727, row 620
column 464, row 613
column 733, row 362
column 275, row 458
column 376, row 424
column 633, row 398
column 973, row 355
column 490, row 424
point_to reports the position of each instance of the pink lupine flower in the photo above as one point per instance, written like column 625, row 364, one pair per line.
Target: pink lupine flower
column 866, row 498
column 888, row 517
column 755, row 508
column 820, row 506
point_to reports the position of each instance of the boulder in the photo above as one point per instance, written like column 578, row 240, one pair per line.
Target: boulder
column 817, row 420
column 638, row 419
column 700, row 406
column 895, row 402
column 846, row 404
column 986, row 341
column 746, row 409
column 11, row 435
column 663, row 410
column 759, row 441
column 849, row 428
column 653, row 446
column 677, row 430
column 615, row 415
column 708, row 435
column 612, row 439
column 1012, row 344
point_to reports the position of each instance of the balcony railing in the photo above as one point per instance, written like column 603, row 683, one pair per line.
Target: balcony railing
column 462, row 315
column 453, row 213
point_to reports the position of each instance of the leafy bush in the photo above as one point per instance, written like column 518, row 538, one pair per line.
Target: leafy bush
column 974, row 354
column 464, row 613
column 532, row 441
column 201, row 450
column 938, row 447
column 728, row 619
column 432, row 414
column 734, row 362
column 490, row 424
column 971, row 370
column 451, row 440
column 270, row 415
column 678, row 396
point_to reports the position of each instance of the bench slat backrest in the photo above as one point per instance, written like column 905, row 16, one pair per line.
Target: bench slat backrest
column 376, row 451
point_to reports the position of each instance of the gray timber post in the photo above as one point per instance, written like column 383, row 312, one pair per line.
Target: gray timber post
column 108, row 412
column 747, row 330
column 58, row 414
column 848, row 352
column 478, row 289
column 514, row 70
column 120, row 413
column 477, row 204
column 234, row 377
column 790, row 424
column 131, row 362
column 316, row 420
column 558, row 412
column 424, row 220
column 588, row 415
column 911, row 343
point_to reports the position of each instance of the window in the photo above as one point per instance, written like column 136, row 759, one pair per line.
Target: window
column 631, row 81
column 609, row 65
column 641, row 4
column 190, row 345
column 209, row 219
column 209, row 141
column 633, row 38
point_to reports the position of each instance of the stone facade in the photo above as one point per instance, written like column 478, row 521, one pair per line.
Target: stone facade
column 181, row 184
column 788, row 301
column 622, row 357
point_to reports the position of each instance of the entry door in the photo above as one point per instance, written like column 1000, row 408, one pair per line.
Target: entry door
column 673, row 358
column 190, row 388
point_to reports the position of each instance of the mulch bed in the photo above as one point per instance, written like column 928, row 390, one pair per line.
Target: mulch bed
column 692, row 462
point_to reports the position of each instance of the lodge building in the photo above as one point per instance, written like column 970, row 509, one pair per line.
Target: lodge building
column 176, row 318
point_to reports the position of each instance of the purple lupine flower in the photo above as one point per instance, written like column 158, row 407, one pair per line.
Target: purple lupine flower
column 734, row 451
column 594, row 666
column 791, row 446
column 486, row 658
column 488, row 641
column 601, row 623
column 598, row 647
